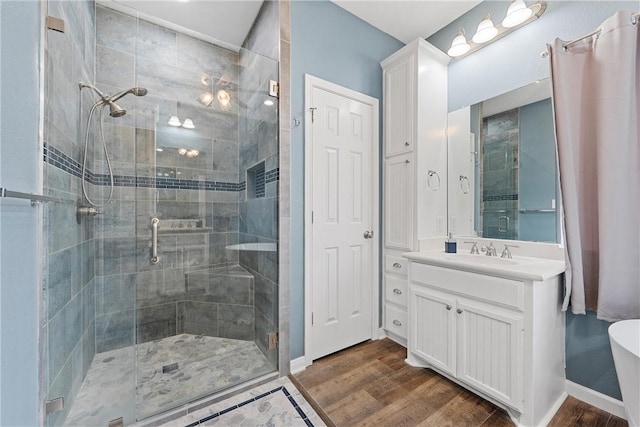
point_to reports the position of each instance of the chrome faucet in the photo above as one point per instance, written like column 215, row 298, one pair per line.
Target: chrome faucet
column 506, row 253
column 474, row 248
column 490, row 250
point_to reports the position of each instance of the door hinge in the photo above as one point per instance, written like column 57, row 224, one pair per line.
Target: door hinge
column 54, row 405
column 273, row 338
column 118, row 422
column 311, row 217
column 313, row 111
column 312, row 318
column 55, row 24
column 274, row 88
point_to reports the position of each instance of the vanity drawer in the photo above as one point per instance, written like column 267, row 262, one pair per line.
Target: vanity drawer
column 395, row 321
column 396, row 290
column 495, row 290
column 396, row 265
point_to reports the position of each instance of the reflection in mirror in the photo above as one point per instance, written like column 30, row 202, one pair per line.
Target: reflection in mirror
column 502, row 171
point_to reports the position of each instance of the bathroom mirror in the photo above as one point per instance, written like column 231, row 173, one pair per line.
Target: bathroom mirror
column 502, row 169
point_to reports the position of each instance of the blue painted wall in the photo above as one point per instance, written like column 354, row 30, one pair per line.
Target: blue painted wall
column 20, row 228
column 332, row 44
column 508, row 64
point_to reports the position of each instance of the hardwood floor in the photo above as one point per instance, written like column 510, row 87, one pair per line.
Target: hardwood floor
column 370, row 385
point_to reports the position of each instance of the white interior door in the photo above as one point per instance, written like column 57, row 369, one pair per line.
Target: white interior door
column 341, row 275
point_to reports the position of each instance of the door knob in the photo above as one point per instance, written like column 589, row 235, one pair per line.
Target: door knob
column 368, row 234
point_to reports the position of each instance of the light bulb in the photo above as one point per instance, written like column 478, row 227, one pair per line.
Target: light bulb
column 174, row 121
column 182, row 151
column 517, row 13
column 459, row 46
column 188, row 124
column 486, row 30
column 268, row 102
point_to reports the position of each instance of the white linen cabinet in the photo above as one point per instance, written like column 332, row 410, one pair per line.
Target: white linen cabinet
column 414, row 169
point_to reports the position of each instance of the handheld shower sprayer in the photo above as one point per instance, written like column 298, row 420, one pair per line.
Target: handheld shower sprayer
column 114, row 111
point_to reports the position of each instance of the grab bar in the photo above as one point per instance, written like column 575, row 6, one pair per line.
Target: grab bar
column 154, row 240
column 35, row 198
column 537, row 210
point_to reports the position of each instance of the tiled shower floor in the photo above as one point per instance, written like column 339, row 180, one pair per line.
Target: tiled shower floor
column 205, row 365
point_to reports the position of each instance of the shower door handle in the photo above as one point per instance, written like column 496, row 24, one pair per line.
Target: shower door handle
column 154, row 240
column 503, row 223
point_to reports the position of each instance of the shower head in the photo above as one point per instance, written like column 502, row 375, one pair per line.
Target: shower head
column 115, row 110
column 137, row 91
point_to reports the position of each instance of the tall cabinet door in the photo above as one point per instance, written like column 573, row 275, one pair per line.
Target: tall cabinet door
column 490, row 350
column 399, row 203
column 399, row 130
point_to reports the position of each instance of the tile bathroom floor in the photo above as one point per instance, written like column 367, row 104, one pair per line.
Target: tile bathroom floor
column 370, row 385
column 204, row 365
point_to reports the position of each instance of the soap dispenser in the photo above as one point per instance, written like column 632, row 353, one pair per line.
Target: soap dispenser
column 450, row 245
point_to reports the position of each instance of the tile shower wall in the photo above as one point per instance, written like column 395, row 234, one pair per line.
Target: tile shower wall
column 157, row 178
column 69, row 329
column 259, row 151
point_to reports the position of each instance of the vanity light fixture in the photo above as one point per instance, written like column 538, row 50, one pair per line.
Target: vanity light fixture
column 188, row 124
column 175, row 121
column 459, row 45
column 206, row 98
column 518, row 15
column 486, row 30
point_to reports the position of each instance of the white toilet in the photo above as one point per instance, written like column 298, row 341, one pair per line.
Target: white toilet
column 625, row 346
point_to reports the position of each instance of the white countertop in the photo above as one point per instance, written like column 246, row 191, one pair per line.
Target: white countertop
column 519, row 267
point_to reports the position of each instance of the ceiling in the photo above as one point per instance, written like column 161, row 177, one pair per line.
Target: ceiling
column 229, row 21
column 225, row 21
column 408, row 20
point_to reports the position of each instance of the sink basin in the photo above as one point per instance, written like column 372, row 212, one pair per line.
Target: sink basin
column 481, row 259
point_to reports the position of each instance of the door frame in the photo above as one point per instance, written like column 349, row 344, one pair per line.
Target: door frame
column 311, row 82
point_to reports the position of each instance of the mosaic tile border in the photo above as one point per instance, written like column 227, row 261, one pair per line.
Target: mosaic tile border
column 500, row 197
column 60, row 160
column 254, row 399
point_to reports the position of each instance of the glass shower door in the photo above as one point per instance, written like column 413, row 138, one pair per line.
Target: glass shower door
column 205, row 172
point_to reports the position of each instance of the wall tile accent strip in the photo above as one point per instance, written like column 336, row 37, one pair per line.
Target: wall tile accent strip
column 500, row 197
column 60, row 160
column 272, row 175
column 255, row 399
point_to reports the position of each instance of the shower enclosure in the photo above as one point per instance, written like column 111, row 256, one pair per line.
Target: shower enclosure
column 151, row 301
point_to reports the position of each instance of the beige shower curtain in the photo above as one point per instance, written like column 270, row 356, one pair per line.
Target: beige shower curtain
column 596, row 87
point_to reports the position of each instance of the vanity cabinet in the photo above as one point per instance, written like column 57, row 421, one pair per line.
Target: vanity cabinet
column 479, row 330
column 470, row 340
column 414, row 124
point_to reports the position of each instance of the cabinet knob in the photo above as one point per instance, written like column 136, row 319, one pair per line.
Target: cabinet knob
column 397, row 323
column 407, row 161
column 397, row 265
column 397, row 291
column 406, row 143
column 459, row 311
column 448, row 307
